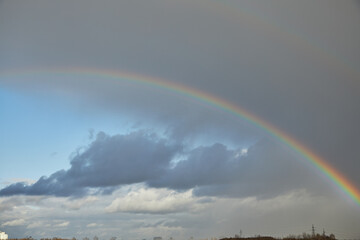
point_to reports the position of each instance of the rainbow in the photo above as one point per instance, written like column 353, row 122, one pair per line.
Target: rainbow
column 330, row 172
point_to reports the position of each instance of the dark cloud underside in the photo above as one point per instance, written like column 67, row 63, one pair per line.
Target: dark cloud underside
column 143, row 157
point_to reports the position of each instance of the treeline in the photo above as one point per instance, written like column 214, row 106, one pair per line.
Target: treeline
column 303, row 236
column 30, row 238
column 307, row 236
column 250, row 238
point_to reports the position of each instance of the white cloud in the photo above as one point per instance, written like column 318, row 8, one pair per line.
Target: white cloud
column 91, row 225
column 63, row 224
column 76, row 204
column 35, row 224
column 157, row 201
column 16, row 222
column 11, row 203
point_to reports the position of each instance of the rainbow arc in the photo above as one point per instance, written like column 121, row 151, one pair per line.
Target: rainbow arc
column 330, row 172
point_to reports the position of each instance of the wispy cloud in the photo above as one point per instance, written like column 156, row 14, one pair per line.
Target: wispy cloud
column 12, row 223
column 62, row 224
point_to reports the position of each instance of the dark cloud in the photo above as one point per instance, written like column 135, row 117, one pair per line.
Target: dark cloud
column 266, row 170
column 294, row 64
column 203, row 166
column 290, row 63
column 108, row 162
column 142, row 157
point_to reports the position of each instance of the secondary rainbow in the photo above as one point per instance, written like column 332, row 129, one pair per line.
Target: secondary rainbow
column 335, row 176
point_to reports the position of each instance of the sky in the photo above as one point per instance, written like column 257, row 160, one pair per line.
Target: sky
column 86, row 149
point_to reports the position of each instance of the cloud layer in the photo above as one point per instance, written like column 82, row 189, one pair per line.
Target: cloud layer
column 293, row 64
column 110, row 162
column 155, row 201
column 251, row 54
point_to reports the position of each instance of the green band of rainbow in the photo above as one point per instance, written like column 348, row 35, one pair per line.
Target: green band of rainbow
column 335, row 176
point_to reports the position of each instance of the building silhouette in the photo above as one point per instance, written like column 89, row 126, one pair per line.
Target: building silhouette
column 3, row 236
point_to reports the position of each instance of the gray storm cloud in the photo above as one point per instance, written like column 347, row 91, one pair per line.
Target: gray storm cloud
column 142, row 157
column 109, row 161
column 291, row 63
column 294, row 64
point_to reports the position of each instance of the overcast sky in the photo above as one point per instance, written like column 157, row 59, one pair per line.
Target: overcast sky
column 88, row 155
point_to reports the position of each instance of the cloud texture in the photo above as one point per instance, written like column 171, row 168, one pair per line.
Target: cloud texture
column 109, row 161
column 294, row 64
column 143, row 157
